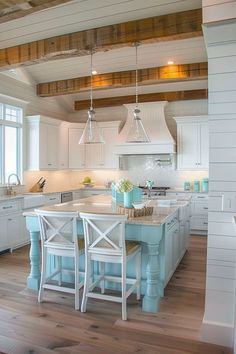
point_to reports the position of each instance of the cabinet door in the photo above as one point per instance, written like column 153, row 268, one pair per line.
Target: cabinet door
column 52, row 143
column 3, row 234
column 203, row 146
column 111, row 160
column 63, row 159
column 13, row 229
column 76, row 151
column 188, row 146
column 94, row 156
column 48, row 141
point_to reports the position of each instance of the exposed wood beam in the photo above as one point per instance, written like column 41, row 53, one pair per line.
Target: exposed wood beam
column 149, row 97
column 169, row 73
column 19, row 8
column 186, row 24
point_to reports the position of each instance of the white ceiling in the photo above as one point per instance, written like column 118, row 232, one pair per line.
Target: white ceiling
column 80, row 15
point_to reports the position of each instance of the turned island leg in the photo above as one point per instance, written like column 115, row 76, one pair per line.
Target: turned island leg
column 33, row 280
column 151, row 300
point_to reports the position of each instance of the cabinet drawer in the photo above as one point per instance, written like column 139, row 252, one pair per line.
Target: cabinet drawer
column 200, row 197
column 199, row 208
column 197, row 223
column 9, row 207
column 53, row 199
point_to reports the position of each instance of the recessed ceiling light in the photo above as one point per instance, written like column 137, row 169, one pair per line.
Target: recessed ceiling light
column 12, row 71
column 170, row 62
column 94, row 72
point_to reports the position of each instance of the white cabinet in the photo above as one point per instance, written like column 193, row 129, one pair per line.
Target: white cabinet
column 192, row 142
column 54, row 198
column 94, row 156
column 199, row 211
column 76, row 151
column 42, row 143
column 12, row 228
column 63, row 159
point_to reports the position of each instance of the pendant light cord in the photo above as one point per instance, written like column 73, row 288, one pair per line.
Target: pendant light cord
column 136, row 74
column 91, row 80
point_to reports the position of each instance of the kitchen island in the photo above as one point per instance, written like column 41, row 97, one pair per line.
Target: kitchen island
column 163, row 235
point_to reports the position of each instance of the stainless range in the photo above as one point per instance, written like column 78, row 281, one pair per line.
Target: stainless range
column 154, row 192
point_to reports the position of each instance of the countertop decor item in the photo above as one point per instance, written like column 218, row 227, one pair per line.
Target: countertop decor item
column 134, row 213
column 91, row 133
column 187, row 186
column 205, row 184
column 38, row 186
column 125, row 186
column 137, row 133
column 196, row 186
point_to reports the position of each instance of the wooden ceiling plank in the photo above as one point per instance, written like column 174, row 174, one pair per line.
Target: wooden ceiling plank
column 181, row 25
column 148, row 76
column 150, row 97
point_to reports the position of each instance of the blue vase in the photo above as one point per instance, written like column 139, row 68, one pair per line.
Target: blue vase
column 128, row 199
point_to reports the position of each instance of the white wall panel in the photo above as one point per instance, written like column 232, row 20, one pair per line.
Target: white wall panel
column 222, row 140
column 221, row 307
column 221, row 271
column 220, row 284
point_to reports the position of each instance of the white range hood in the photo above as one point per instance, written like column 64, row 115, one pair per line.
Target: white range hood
column 153, row 118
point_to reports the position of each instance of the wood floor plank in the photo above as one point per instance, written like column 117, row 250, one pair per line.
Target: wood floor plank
column 55, row 327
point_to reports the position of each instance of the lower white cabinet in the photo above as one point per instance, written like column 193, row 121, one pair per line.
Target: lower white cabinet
column 12, row 231
column 54, row 198
column 199, row 211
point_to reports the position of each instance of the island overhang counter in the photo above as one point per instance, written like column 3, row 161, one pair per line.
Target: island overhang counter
column 163, row 235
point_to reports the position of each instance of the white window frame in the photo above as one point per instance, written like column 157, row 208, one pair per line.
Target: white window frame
column 8, row 123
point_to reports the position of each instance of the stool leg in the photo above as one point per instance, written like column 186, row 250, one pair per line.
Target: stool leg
column 76, row 282
column 59, row 268
column 123, row 290
column 138, row 274
column 43, row 275
column 102, row 272
column 87, row 281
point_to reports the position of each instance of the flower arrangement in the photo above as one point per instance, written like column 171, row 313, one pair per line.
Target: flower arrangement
column 124, row 185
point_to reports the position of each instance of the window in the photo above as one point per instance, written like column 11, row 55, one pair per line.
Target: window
column 10, row 141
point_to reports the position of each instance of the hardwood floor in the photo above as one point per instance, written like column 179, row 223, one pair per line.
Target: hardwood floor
column 27, row 327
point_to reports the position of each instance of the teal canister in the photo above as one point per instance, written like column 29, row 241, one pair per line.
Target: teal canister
column 196, row 186
column 205, row 183
column 187, row 186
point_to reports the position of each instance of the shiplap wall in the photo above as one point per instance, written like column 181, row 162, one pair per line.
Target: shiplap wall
column 26, row 92
column 220, row 37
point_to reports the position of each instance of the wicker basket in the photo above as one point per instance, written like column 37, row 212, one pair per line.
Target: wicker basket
column 134, row 213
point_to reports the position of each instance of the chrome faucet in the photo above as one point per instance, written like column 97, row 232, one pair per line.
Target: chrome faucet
column 17, row 178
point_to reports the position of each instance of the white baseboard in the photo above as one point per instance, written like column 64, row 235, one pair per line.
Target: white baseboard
column 217, row 333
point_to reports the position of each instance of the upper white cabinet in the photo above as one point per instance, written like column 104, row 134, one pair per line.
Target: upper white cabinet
column 76, row 151
column 192, row 142
column 94, row 156
column 63, row 159
column 42, row 143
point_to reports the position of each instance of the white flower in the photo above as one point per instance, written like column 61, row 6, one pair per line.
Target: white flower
column 124, row 185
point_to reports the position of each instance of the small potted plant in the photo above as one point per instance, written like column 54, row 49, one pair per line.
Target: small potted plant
column 125, row 186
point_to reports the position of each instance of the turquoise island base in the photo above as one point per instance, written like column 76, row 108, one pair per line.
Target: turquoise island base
column 163, row 245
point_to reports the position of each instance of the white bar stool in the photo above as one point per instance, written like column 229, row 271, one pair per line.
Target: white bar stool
column 59, row 237
column 105, row 243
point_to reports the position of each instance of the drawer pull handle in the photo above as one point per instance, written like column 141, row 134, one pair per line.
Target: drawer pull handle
column 206, row 208
column 7, row 207
column 205, row 223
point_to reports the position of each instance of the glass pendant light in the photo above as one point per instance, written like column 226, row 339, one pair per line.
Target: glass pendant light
column 137, row 133
column 91, row 133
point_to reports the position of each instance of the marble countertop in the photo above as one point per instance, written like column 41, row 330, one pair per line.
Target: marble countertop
column 103, row 204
